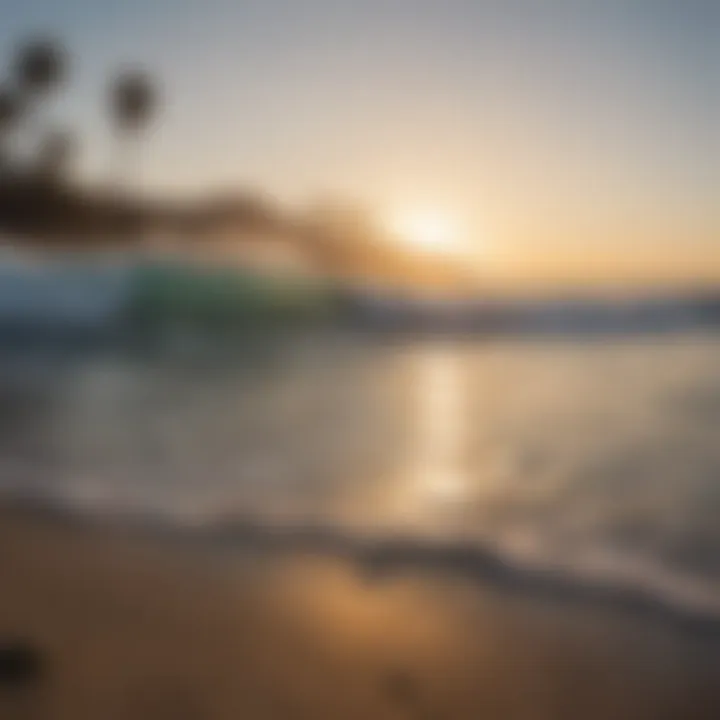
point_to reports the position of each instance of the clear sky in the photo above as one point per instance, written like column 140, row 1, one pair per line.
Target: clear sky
column 568, row 124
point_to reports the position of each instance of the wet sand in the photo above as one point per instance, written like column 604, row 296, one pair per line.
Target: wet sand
column 129, row 624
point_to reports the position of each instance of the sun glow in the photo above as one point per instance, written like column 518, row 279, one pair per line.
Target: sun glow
column 427, row 231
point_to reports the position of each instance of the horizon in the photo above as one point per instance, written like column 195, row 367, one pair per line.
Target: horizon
column 555, row 138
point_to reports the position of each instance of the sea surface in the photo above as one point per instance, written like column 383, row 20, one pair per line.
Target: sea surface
column 578, row 463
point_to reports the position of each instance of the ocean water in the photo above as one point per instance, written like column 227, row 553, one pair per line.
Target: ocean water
column 579, row 463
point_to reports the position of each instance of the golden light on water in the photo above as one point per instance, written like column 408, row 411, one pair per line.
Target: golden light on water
column 440, row 426
column 431, row 478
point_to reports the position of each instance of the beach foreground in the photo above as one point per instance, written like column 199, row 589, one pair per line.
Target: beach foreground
column 132, row 623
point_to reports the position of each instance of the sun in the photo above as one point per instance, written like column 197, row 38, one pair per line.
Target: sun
column 427, row 231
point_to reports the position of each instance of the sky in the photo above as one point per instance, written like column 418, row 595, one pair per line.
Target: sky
column 548, row 128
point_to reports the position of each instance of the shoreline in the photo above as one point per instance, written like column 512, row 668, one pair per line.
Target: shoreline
column 154, row 625
column 377, row 556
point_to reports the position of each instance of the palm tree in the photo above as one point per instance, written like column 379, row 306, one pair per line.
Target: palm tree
column 40, row 67
column 55, row 155
column 10, row 114
column 133, row 101
column 10, row 111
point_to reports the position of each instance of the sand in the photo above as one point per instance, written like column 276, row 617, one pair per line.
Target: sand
column 132, row 624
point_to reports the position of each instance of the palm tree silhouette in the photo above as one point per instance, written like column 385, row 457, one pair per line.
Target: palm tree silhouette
column 55, row 155
column 41, row 66
column 133, row 101
column 10, row 114
column 10, row 110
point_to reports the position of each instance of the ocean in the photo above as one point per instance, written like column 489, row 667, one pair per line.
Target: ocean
column 576, row 466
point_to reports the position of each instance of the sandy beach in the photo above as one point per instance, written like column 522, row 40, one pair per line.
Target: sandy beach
column 129, row 623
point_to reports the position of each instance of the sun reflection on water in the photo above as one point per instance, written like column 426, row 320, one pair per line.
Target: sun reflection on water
column 439, row 425
column 430, row 477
